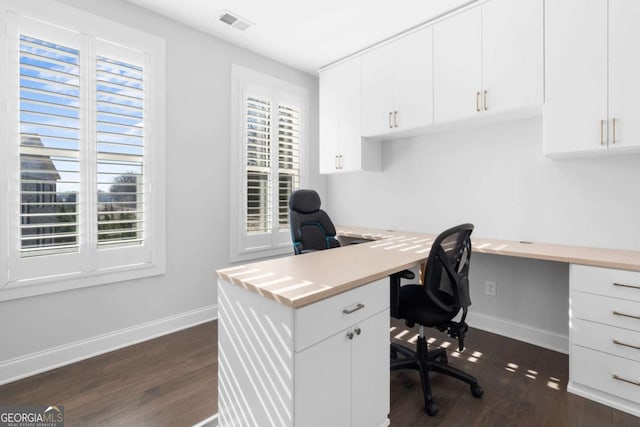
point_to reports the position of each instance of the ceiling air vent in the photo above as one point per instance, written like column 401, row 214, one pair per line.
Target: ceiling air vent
column 235, row 21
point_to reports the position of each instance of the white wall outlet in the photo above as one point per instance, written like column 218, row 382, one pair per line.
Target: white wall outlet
column 490, row 288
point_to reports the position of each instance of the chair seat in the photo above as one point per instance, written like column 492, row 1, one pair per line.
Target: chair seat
column 415, row 306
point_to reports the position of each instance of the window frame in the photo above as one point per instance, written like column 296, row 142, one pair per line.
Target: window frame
column 28, row 276
column 245, row 82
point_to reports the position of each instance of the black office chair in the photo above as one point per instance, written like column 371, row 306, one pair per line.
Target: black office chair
column 435, row 304
column 311, row 227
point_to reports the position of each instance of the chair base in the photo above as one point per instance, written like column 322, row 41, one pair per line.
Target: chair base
column 425, row 361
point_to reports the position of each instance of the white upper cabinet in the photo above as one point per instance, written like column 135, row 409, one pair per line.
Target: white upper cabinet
column 512, row 55
column 457, row 57
column 341, row 146
column 377, row 91
column 328, row 116
column 591, row 76
column 397, row 85
column 489, row 59
column 624, row 74
column 575, row 110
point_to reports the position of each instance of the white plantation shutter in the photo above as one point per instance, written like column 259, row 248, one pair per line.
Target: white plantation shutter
column 81, row 156
column 120, row 152
column 288, row 160
column 258, row 166
column 270, row 179
column 268, row 136
column 49, row 147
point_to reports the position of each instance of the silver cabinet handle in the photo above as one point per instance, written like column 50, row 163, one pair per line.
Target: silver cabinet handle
column 390, row 125
column 484, row 100
column 617, row 313
column 358, row 331
column 637, row 347
column 395, row 119
column 478, row 102
column 353, row 310
column 341, row 162
column 613, row 130
column 602, row 132
column 626, row 286
column 336, row 162
column 619, row 378
column 350, row 335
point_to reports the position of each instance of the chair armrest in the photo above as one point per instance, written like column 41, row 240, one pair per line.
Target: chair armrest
column 395, row 280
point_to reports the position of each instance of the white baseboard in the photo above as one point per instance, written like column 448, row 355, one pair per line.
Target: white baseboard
column 604, row 398
column 212, row 421
column 35, row 363
column 520, row 332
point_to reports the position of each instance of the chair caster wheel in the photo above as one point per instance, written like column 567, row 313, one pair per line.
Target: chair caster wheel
column 477, row 391
column 431, row 409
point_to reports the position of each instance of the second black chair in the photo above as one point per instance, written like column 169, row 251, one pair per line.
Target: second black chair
column 311, row 227
column 444, row 295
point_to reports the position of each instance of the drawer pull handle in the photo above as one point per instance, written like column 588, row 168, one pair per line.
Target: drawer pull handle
column 626, row 286
column 619, row 378
column 358, row 331
column 617, row 313
column 353, row 310
column 626, row 345
column 350, row 335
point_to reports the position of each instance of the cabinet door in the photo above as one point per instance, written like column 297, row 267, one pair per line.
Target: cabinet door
column 457, row 63
column 377, row 90
column 323, row 383
column 624, row 72
column 413, row 81
column 328, row 125
column 370, row 372
column 575, row 76
column 512, row 55
column 349, row 116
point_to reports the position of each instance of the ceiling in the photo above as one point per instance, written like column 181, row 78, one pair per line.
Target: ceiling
column 304, row 34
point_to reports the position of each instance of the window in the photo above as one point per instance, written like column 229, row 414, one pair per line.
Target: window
column 83, row 147
column 267, row 139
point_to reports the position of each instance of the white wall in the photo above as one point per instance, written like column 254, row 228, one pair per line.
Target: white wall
column 496, row 177
column 197, row 176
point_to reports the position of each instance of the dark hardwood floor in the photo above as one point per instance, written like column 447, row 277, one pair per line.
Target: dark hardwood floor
column 171, row 381
column 167, row 381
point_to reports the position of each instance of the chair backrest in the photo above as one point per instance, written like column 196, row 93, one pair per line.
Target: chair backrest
column 311, row 227
column 446, row 277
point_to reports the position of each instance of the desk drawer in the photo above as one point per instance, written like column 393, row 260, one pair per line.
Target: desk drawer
column 609, row 339
column 606, row 281
column 318, row 321
column 610, row 311
column 597, row 370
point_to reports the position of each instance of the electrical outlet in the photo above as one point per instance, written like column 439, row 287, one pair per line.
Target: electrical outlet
column 490, row 288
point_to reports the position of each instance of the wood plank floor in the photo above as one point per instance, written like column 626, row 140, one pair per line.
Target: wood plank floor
column 171, row 381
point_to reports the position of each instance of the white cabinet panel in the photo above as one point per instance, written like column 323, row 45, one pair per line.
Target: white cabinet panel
column 397, row 85
column 370, row 354
column 575, row 109
column 413, row 82
column 457, row 61
column 341, row 146
column 349, row 116
column 323, row 383
column 328, row 104
column 606, row 373
column 591, row 76
column 377, row 90
column 512, row 54
column 624, row 72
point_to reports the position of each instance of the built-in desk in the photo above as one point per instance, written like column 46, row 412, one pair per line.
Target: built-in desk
column 303, row 342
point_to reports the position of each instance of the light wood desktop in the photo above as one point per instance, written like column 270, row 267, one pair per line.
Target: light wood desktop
column 297, row 310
